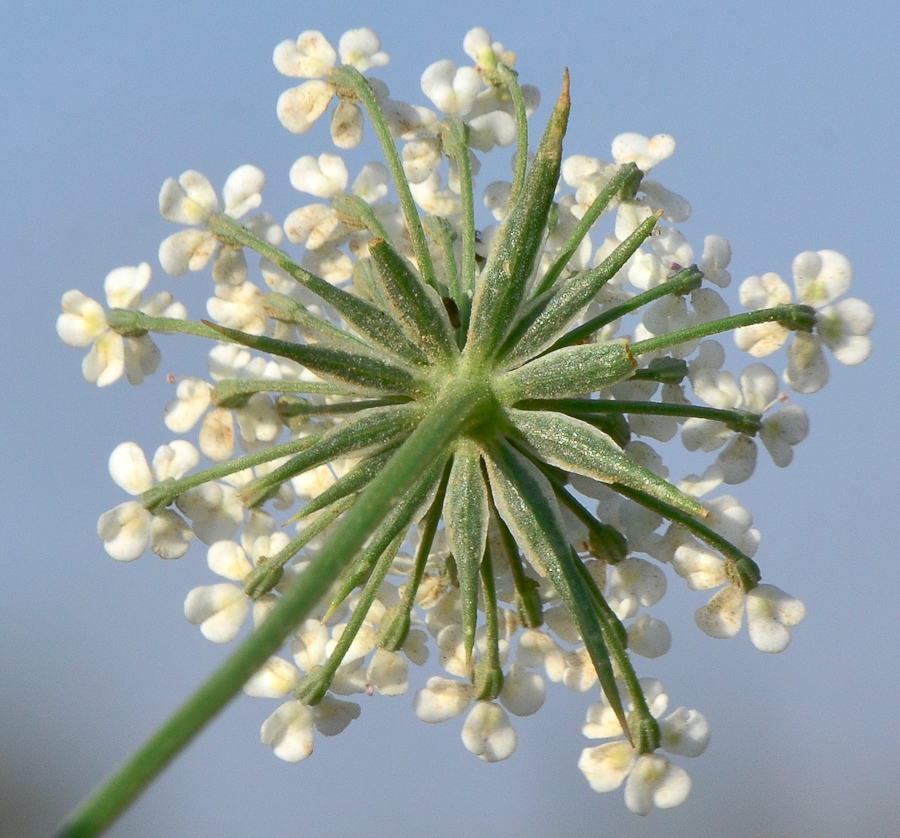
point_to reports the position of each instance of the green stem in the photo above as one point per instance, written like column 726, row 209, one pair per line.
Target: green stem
column 371, row 322
column 685, row 280
column 744, row 568
column 396, row 629
column 294, row 408
column 162, row 494
column 268, row 573
column 315, row 685
column 511, row 79
column 487, row 672
column 628, row 176
column 455, row 137
column 451, row 413
column 528, row 600
column 347, row 79
column 441, row 232
column 644, row 729
column 797, row 317
column 234, row 392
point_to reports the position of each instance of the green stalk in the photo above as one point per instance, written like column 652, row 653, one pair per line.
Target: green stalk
column 798, row 317
column 455, row 137
column 685, row 280
column 371, row 322
column 627, row 176
column 511, row 79
column 643, row 728
column 162, row 494
column 451, row 413
column 349, row 83
column 745, row 569
column 234, row 392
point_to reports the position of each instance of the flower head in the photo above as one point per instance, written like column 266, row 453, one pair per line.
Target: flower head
column 463, row 424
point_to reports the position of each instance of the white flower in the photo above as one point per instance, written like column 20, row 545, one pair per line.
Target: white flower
column 83, row 322
column 648, row 637
column 275, row 679
column 319, row 225
column 452, row 89
column 634, row 582
column 758, row 393
column 312, row 57
column 770, row 614
column 644, row 152
column 289, row 730
column 652, row 780
column 820, row 277
column 192, row 200
column 128, row 529
column 441, row 699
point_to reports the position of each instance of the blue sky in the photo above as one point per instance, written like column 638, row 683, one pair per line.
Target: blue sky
column 786, row 122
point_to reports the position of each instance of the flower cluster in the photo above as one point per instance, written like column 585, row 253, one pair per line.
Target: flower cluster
column 460, row 413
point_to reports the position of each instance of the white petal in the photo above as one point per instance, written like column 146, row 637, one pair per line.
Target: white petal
column 441, row 699
column 129, row 468
column 684, row 732
column 487, row 732
column 737, row 460
column 760, row 339
column 192, row 399
column 821, row 276
column 105, row 362
column 309, row 57
column 361, row 48
column 347, row 125
column 523, row 691
column 141, row 358
column 275, row 679
column 632, row 583
column 124, row 286
column 170, row 536
column 189, row 200
column 807, row 371
column 242, row 189
column 649, row 637
column 186, row 250
column 656, row 781
column 842, row 328
column 228, row 559
column 219, row 610
column 721, row 617
column 289, row 732
column 333, row 715
column 125, row 531
column 299, row 107
column 216, row 436
column 309, row 644
column 83, row 320
column 324, row 177
column 766, row 291
column 452, row 90
column 388, row 673
column 606, row 766
column 770, row 613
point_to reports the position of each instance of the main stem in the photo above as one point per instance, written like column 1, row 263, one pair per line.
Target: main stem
column 450, row 413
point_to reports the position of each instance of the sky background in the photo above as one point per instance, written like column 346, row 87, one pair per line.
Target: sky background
column 786, row 119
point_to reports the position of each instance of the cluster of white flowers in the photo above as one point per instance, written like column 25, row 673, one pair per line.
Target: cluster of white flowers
column 336, row 235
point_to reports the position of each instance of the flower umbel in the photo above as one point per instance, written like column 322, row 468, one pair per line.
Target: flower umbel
column 461, row 422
